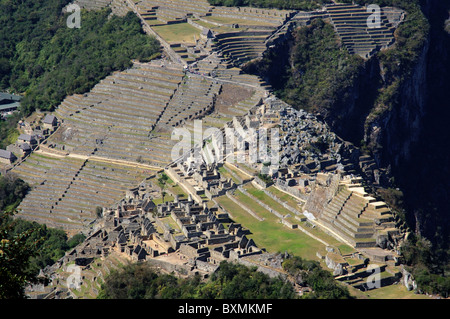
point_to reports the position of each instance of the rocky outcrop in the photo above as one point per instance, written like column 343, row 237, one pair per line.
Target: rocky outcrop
column 407, row 279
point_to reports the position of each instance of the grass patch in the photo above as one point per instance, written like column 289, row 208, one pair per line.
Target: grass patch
column 259, row 194
column 167, row 198
column 291, row 201
column 345, row 249
column 169, row 221
column 389, row 292
column 177, row 190
column 237, row 171
column 178, row 33
column 270, row 234
column 248, row 202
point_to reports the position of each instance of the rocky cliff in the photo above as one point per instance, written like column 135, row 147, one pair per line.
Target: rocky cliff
column 391, row 135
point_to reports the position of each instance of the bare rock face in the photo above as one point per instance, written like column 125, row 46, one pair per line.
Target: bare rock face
column 392, row 133
column 336, row 265
column 323, row 191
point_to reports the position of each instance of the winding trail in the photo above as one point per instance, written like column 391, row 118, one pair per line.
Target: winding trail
column 98, row 159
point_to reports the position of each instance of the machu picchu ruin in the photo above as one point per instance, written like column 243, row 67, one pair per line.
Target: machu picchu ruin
column 102, row 162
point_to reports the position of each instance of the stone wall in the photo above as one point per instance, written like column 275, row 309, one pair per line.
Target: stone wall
column 268, row 271
column 291, row 190
column 284, row 204
column 270, row 209
column 205, row 266
column 167, row 266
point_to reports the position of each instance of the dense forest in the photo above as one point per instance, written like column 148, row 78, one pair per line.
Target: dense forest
column 141, row 281
column 47, row 61
column 230, row 281
column 51, row 243
column 310, row 273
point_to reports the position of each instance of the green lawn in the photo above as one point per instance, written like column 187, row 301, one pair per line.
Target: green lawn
column 270, row 234
column 389, row 292
column 238, row 172
column 169, row 221
column 178, row 32
column 159, row 200
column 259, row 194
column 224, row 173
column 345, row 249
column 220, row 29
column 178, row 191
column 290, row 200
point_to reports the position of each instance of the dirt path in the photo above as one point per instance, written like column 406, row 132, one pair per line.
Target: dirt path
column 98, row 159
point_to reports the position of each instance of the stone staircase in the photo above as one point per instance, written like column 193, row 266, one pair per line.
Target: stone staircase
column 358, row 217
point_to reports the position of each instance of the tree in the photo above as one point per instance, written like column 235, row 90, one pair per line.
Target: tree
column 99, row 211
column 230, row 281
column 15, row 254
column 162, row 181
column 321, row 281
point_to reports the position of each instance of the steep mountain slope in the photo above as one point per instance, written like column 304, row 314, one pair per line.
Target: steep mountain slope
column 392, row 105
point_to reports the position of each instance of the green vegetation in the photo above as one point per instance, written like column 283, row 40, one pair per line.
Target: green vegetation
column 259, row 194
column 321, row 281
column 270, row 233
column 15, row 247
column 46, row 60
column 50, row 243
column 8, row 130
column 25, row 247
column 163, row 180
column 265, row 178
column 422, row 261
column 291, row 201
column 398, row 63
column 230, row 20
column 278, row 4
column 15, row 253
column 230, row 281
column 12, row 191
column 315, row 72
